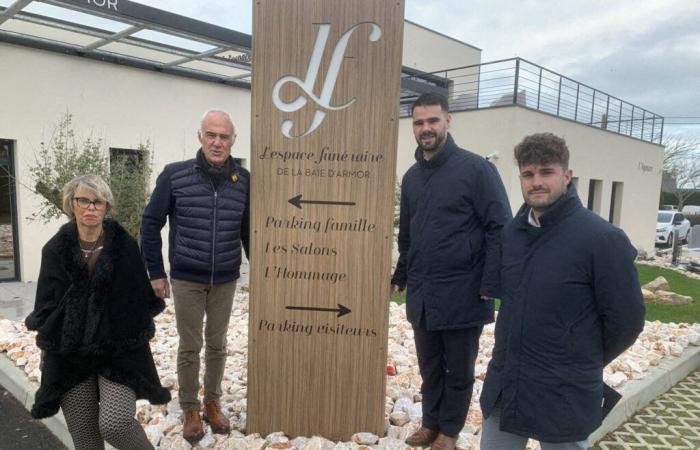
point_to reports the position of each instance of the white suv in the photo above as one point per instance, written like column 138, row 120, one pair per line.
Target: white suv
column 666, row 222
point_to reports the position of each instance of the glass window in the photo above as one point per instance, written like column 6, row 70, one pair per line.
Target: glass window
column 664, row 217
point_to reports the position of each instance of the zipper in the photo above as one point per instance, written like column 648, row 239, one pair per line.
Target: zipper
column 213, row 237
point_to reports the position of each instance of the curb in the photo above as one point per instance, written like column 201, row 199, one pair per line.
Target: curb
column 16, row 383
column 636, row 393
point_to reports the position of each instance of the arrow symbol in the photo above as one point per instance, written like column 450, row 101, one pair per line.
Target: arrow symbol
column 341, row 310
column 297, row 201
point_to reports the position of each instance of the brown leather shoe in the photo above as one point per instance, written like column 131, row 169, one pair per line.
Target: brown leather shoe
column 192, row 429
column 444, row 443
column 422, row 438
column 212, row 414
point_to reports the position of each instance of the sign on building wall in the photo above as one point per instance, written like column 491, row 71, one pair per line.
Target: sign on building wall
column 325, row 97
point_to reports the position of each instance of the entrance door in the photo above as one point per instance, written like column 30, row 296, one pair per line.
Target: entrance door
column 9, row 245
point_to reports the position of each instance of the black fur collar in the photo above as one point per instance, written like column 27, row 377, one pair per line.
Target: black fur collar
column 86, row 294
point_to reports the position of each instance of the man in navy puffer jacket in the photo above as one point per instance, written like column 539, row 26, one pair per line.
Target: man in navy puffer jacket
column 206, row 200
column 571, row 303
column 453, row 206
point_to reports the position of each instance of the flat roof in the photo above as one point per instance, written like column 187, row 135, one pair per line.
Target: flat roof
column 441, row 34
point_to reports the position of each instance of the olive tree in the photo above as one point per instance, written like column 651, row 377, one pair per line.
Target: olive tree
column 66, row 156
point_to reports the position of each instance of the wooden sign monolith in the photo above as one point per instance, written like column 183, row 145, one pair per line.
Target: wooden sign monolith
column 325, row 105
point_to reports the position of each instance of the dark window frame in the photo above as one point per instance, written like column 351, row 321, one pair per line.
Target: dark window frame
column 134, row 155
column 13, row 208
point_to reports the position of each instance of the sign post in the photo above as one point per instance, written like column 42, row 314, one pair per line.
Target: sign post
column 325, row 105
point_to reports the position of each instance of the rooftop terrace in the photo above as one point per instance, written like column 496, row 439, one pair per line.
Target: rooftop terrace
column 520, row 82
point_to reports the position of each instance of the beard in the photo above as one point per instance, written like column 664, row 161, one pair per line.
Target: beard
column 545, row 199
column 438, row 140
column 541, row 201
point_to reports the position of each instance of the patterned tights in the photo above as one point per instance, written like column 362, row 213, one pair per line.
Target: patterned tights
column 99, row 410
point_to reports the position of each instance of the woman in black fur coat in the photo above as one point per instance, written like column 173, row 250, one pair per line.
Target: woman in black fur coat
column 94, row 314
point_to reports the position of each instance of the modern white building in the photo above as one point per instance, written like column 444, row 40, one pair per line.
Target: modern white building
column 138, row 74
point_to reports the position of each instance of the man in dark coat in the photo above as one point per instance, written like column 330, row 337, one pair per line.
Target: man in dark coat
column 453, row 207
column 571, row 303
column 207, row 202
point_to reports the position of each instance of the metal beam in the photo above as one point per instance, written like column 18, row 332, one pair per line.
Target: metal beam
column 115, row 37
column 62, row 25
column 13, row 9
column 137, row 42
column 242, row 76
column 158, row 20
column 106, row 36
column 100, row 55
column 198, row 56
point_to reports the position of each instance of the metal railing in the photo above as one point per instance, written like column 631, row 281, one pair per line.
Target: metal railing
column 519, row 82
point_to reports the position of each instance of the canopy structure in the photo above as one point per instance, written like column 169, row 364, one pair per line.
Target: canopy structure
column 129, row 33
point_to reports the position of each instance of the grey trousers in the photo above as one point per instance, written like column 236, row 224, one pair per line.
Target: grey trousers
column 494, row 439
column 194, row 301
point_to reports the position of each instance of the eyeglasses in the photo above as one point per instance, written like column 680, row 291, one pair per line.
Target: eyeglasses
column 85, row 203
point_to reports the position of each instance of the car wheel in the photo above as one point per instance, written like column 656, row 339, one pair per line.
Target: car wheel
column 669, row 242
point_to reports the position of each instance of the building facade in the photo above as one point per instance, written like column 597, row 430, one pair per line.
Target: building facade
column 129, row 89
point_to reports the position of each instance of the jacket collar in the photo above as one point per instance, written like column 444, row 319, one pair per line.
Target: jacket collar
column 218, row 175
column 442, row 155
column 566, row 205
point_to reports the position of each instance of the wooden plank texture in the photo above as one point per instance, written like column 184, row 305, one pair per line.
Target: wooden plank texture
column 325, row 96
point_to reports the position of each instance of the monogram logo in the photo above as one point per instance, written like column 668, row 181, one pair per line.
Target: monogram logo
column 323, row 101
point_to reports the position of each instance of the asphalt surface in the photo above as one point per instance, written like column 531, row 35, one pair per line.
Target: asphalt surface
column 18, row 431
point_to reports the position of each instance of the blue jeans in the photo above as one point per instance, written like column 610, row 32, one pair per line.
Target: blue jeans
column 492, row 438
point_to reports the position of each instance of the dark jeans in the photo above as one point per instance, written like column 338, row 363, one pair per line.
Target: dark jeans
column 446, row 361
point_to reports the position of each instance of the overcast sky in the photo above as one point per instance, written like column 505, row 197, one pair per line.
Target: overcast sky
column 645, row 52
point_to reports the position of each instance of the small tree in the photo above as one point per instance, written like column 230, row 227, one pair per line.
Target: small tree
column 60, row 160
column 66, row 156
column 682, row 162
column 129, row 180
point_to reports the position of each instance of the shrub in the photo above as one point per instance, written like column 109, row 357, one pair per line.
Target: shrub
column 66, row 156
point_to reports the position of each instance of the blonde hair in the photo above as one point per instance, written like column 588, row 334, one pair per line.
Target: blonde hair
column 92, row 183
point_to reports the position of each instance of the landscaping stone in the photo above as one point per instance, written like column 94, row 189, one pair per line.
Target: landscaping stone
column 642, row 255
column 399, row 418
column 164, row 423
column 659, row 283
column 648, row 295
column 671, row 298
column 365, row 438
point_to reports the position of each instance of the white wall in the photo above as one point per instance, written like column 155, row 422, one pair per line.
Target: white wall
column 595, row 153
column 126, row 106
column 430, row 51
column 122, row 105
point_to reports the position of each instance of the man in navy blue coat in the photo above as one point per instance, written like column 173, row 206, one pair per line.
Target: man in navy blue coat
column 571, row 303
column 206, row 201
column 453, row 207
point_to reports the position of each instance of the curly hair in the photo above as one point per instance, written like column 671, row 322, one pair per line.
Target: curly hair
column 542, row 148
